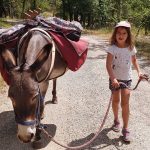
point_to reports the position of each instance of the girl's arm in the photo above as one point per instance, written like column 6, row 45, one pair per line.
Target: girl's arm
column 136, row 65
column 109, row 66
column 110, row 70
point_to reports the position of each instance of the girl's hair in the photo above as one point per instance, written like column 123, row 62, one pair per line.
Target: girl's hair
column 129, row 40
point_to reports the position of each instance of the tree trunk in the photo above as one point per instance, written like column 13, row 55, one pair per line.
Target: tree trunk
column 89, row 20
column 23, row 7
column 64, row 9
column 33, row 6
column 118, row 4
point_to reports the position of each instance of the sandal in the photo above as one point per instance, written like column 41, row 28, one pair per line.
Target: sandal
column 126, row 135
column 116, row 126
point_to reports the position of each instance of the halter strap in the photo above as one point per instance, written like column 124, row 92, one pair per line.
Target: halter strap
column 37, row 114
column 26, row 123
column 40, row 99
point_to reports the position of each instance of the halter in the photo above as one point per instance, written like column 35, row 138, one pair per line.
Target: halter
column 37, row 113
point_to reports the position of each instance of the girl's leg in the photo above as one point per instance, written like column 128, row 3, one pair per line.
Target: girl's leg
column 125, row 95
column 115, row 104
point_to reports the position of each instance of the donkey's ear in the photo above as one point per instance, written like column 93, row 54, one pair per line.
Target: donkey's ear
column 41, row 58
column 7, row 57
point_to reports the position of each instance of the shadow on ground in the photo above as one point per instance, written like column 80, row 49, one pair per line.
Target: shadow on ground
column 100, row 142
column 96, row 48
column 8, row 130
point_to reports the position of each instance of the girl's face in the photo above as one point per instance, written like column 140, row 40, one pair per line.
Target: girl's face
column 121, row 36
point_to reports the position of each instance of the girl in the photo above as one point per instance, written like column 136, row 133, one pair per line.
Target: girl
column 120, row 56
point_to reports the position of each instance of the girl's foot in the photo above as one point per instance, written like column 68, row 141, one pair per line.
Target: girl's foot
column 116, row 126
column 126, row 135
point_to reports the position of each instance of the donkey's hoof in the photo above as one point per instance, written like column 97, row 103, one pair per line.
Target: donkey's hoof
column 37, row 144
column 54, row 101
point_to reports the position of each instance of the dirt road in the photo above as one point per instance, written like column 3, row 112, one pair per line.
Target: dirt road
column 82, row 101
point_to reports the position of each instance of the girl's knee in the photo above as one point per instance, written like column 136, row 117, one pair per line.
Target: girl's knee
column 125, row 93
column 116, row 97
column 116, row 101
column 125, row 103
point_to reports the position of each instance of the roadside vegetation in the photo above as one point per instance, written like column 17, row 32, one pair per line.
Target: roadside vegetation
column 142, row 41
column 2, row 85
column 3, row 24
column 92, row 14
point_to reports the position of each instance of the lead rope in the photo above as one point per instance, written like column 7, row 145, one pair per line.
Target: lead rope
column 142, row 77
column 146, row 77
column 87, row 143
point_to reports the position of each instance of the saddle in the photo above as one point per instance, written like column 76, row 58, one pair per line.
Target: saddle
column 74, row 52
column 72, row 48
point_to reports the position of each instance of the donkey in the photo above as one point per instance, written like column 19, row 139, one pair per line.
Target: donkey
column 29, row 76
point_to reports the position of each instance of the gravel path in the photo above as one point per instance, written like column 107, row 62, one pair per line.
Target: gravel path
column 83, row 98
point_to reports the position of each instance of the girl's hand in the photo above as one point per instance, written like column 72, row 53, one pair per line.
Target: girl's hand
column 115, row 83
column 143, row 76
column 140, row 75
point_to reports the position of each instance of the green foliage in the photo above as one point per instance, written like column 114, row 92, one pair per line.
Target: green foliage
column 92, row 13
column 3, row 24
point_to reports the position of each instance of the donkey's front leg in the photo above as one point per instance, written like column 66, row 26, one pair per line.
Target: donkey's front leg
column 37, row 144
column 54, row 98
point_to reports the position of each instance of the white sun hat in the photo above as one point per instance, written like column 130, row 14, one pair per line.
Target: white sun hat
column 123, row 24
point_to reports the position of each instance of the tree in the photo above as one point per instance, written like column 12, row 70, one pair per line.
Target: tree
column 140, row 14
column 91, row 13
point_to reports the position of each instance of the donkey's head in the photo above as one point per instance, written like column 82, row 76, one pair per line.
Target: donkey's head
column 24, row 91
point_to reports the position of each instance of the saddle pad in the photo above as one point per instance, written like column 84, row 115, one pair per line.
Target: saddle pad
column 74, row 53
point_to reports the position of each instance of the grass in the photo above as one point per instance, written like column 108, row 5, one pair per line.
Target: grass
column 143, row 48
column 103, row 32
column 142, row 42
column 106, row 32
column 4, row 24
column 2, row 85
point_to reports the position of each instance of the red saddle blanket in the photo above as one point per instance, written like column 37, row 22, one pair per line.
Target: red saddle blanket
column 74, row 53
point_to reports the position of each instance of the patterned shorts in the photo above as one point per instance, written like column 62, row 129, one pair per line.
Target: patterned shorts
column 127, row 82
